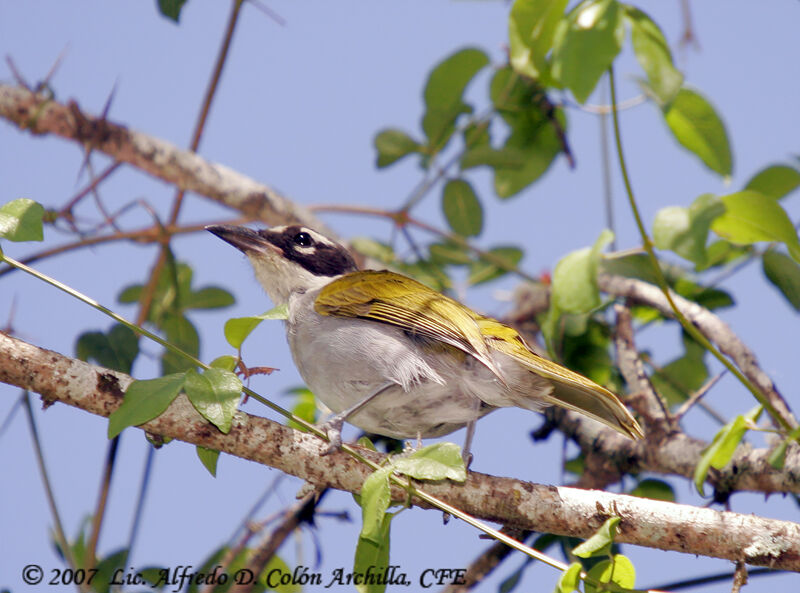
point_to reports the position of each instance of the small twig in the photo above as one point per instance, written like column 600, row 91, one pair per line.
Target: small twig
column 299, row 513
column 67, row 210
column 270, row 489
column 20, row 80
column 269, row 12
column 608, row 109
column 9, row 327
column 138, row 512
column 688, row 37
column 739, row 577
column 713, row 578
column 487, row 562
column 148, row 235
column 606, row 170
column 457, row 239
column 697, row 395
column 163, row 255
column 11, row 413
column 59, row 534
column 88, row 149
column 100, row 507
column 108, row 219
column 649, row 403
column 54, row 68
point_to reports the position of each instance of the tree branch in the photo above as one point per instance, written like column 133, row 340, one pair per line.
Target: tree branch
column 559, row 510
column 186, row 170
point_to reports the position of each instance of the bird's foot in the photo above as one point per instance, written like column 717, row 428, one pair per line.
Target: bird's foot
column 333, row 428
column 467, row 457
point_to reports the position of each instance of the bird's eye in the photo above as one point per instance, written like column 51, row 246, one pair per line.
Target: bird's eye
column 303, row 239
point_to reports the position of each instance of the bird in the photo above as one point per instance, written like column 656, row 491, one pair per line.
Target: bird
column 396, row 358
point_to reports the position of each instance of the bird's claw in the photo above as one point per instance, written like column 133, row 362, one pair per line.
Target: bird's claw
column 333, row 428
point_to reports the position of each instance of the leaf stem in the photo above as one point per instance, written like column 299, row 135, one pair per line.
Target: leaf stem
column 662, row 282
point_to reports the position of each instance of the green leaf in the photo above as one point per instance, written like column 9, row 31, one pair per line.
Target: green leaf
column 750, row 217
column 443, row 92
column 698, row 128
column 145, row 400
column 365, row 442
column 462, row 209
column 21, row 220
column 276, row 566
column 476, row 134
column 637, row 265
column 536, row 131
column 585, row 45
column 101, row 583
column 685, row 230
column 570, row 579
column 576, row 465
column 776, row 181
column 171, row 8
column 116, row 350
column 374, row 249
column 654, row 489
column 215, row 394
column 208, row 457
column 784, row 273
column 210, row 297
column 439, row 461
column 238, row 328
column 225, row 362
column 652, row 52
column 778, row 455
column 179, row 332
column 130, row 294
column 373, row 555
column 392, row 145
column 723, row 252
column 574, row 288
column 710, row 298
column 449, row 253
column 531, row 28
column 585, row 347
column 503, row 158
column 375, row 500
column 722, row 448
column 484, row 271
column 173, row 293
column 600, row 543
column 305, row 407
column 429, row 272
column 618, row 570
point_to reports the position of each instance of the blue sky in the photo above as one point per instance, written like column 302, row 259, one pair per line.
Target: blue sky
column 297, row 109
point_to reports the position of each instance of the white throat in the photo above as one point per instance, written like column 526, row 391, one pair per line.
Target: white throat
column 281, row 278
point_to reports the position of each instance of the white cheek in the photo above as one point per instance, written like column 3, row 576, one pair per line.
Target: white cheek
column 280, row 278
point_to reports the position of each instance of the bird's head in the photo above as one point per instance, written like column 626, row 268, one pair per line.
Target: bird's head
column 288, row 259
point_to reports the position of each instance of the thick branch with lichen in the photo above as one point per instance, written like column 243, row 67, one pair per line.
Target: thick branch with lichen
column 567, row 511
column 185, row 169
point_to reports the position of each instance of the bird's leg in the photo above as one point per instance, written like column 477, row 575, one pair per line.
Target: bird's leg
column 333, row 427
column 466, row 453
